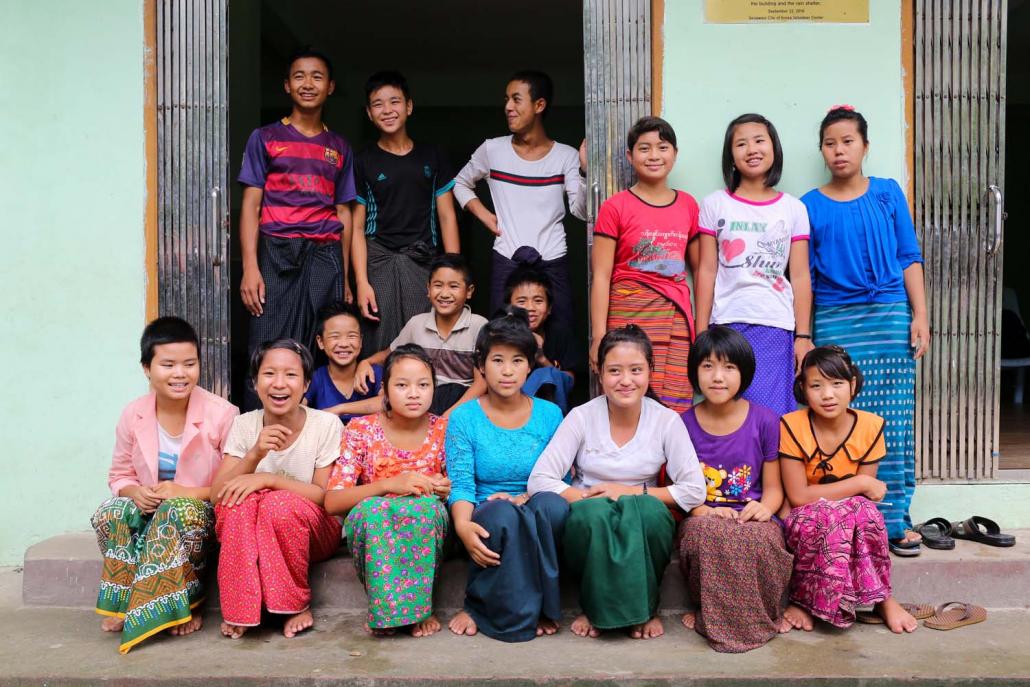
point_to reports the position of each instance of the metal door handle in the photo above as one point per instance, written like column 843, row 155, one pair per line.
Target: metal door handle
column 999, row 217
column 216, row 218
column 595, row 190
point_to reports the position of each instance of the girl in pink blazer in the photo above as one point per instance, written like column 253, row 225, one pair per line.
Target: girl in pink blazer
column 154, row 532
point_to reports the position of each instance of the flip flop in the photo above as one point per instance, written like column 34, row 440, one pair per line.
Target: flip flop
column 918, row 611
column 982, row 530
column 948, row 618
column 905, row 549
column 936, row 533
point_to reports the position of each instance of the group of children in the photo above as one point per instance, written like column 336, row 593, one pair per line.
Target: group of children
column 780, row 515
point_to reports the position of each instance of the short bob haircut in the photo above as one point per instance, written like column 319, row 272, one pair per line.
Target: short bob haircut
column 258, row 357
column 833, row 362
column 844, row 114
column 722, row 343
column 509, row 329
column 527, row 274
column 166, row 330
column 336, row 309
column 540, row 86
column 307, row 51
column 387, row 78
column 452, row 261
column 646, row 125
column 730, row 173
column 402, row 352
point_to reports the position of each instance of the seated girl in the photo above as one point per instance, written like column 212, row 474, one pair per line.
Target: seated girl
column 159, row 523
column 269, row 491
column 829, row 453
column 558, row 360
column 619, row 534
column 389, row 483
column 492, row 444
column 731, row 547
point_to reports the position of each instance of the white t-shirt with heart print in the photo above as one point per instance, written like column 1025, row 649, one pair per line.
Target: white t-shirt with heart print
column 754, row 241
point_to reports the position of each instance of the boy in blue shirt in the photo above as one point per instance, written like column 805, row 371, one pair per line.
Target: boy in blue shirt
column 332, row 386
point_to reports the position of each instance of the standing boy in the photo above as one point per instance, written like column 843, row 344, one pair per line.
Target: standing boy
column 527, row 173
column 295, row 221
column 404, row 214
column 332, row 385
column 448, row 333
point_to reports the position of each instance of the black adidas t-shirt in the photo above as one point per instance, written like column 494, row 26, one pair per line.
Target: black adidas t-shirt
column 399, row 193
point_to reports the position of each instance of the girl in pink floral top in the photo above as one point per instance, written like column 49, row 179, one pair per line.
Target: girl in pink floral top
column 390, row 484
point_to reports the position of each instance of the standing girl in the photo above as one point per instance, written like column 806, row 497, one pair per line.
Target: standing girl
column 870, row 298
column 731, row 549
column 619, row 534
column 639, row 261
column 389, row 483
column 751, row 238
column 159, row 525
column 830, row 454
column 269, row 490
column 492, row 444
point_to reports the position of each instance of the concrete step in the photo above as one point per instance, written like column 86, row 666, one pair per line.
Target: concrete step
column 65, row 571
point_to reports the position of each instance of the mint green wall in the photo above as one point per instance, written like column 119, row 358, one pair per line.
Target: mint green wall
column 792, row 74
column 72, row 296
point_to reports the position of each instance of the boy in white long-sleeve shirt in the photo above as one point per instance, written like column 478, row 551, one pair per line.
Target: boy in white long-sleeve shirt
column 528, row 174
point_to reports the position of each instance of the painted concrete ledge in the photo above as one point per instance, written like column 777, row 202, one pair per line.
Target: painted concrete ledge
column 65, row 571
column 65, row 648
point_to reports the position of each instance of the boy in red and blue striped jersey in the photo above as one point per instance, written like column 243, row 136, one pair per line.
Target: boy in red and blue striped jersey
column 295, row 221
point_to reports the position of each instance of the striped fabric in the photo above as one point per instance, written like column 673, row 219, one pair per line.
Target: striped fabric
column 399, row 280
column 877, row 337
column 666, row 325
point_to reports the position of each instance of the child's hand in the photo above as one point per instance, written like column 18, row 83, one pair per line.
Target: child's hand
column 519, row 500
column 240, row 487
column 612, row 490
column 724, row 512
column 754, row 510
column 252, row 292
column 441, row 486
column 364, row 376
column 874, row 489
column 348, row 295
column 272, row 438
column 169, row 490
column 920, row 336
column 145, row 499
column 595, row 345
column 489, row 220
column 367, row 302
column 801, row 348
column 472, row 536
column 409, row 484
column 583, row 155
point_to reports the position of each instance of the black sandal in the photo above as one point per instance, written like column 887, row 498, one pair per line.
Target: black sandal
column 982, row 530
column 936, row 534
column 905, row 549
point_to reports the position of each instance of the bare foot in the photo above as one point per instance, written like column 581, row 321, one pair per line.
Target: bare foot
column 799, row 618
column 649, row 630
column 429, row 626
column 463, row 624
column 582, row 627
column 895, row 617
column 546, row 626
column 785, row 626
column 112, row 623
column 188, row 627
column 233, row 631
column 911, row 536
column 296, row 624
column 380, row 631
column 688, row 620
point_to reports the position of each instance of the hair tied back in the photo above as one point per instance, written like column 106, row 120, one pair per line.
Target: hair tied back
column 848, row 108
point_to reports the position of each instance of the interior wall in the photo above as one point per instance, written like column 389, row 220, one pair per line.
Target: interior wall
column 1017, row 175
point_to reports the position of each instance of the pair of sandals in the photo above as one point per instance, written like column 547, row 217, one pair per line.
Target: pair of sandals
column 949, row 616
column 939, row 533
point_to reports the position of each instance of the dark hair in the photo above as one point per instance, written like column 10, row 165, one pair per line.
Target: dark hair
column 404, row 351
column 511, row 328
column 258, row 356
column 628, row 334
column 844, row 114
column 540, row 86
column 166, row 330
column 722, row 343
column 387, row 78
column 527, row 274
column 453, row 261
column 730, row 173
column 833, row 362
column 307, row 51
column 335, row 309
column 646, row 125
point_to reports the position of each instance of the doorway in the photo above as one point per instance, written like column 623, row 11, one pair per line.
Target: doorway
column 456, row 57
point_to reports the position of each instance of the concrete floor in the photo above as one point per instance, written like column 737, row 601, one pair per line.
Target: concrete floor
column 56, row 646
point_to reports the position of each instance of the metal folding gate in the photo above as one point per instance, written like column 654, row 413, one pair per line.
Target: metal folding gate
column 193, row 213
column 960, row 49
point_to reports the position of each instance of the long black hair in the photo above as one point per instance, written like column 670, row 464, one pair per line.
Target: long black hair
column 412, row 351
column 635, row 336
column 730, row 173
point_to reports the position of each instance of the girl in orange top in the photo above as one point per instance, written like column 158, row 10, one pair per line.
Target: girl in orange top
column 829, row 454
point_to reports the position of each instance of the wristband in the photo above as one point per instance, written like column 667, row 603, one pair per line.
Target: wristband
column 802, row 336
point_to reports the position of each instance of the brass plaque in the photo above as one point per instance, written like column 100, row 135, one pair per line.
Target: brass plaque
column 761, row 11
